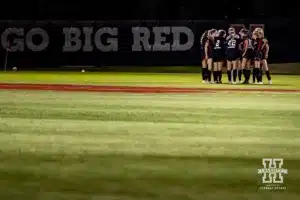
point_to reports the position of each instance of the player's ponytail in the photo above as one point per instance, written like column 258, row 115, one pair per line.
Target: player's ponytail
column 203, row 37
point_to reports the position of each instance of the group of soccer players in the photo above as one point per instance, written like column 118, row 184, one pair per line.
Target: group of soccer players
column 241, row 52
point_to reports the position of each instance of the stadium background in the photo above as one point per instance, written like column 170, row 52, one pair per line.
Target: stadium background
column 144, row 136
column 280, row 20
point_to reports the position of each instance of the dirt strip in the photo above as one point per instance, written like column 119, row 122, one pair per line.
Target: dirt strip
column 132, row 89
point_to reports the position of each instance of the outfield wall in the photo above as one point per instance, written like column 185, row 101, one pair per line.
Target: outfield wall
column 282, row 50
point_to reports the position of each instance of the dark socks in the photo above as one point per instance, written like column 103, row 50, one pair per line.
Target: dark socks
column 229, row 75
column 240, row 75
column 268, row 75
column 254, row 75
column 234, row 75
column 248, row 74
column 220, row 76
column 245, row 74
column 209, row 75
column 203, row 74
column 259, row 77
column 215, row 75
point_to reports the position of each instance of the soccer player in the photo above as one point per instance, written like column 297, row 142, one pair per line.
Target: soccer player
column 219, row 50
column 247, row 54
column 265, row 53
column 208, row 49
column 232, row 54
column 203, row 41
column 258, row 52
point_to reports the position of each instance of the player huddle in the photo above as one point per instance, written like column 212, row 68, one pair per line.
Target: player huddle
column 241, row 52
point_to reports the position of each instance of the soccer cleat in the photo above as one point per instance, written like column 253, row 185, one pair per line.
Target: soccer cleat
column 270, row 82
column 233, row 83
column 245, row 82
column 204, row 81
column 229, row 82
column 260, row 83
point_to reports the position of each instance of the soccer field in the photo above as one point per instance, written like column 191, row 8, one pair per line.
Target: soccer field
column 125, row 146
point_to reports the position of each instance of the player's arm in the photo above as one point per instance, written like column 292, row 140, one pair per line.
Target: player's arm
column 246, row 43
column 206, row 49
column 267, row 50
column 8, row 46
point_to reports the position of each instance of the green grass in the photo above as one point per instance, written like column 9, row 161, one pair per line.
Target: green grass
column 98, row 146
column 138, row 79
column 276, row 68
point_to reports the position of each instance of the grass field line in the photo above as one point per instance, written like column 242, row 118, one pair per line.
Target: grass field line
column 133, row 89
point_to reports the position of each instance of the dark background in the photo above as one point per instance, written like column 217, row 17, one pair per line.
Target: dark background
column 281, row 19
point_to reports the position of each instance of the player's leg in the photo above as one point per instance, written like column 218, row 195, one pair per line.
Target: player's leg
column 209, row 69
column 265, row 66
column 215, row 69
column 254, row 74
column 235, row 68
column 239, row 73
column 239, row 67
column 244, row 68
column 229, row 71
column 249, row 66
column 258, row 60
column 219, row 74
column 204, row 70
column 257, row 71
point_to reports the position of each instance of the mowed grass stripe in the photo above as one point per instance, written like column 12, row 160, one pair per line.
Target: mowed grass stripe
column 195, row 146
column 204, row 100
column 259, row 109
column 162, row 105
column 204, row 116
column 136, row 79
column 67, row 126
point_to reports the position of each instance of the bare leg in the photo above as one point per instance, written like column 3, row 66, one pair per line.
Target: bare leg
column 220, row 66
column 215, row 71
column 266, row 68
column 204, row 70
column 210, row 68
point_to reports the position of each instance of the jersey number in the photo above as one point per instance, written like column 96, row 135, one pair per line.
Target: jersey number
column 217, row 43
column 231, row 43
